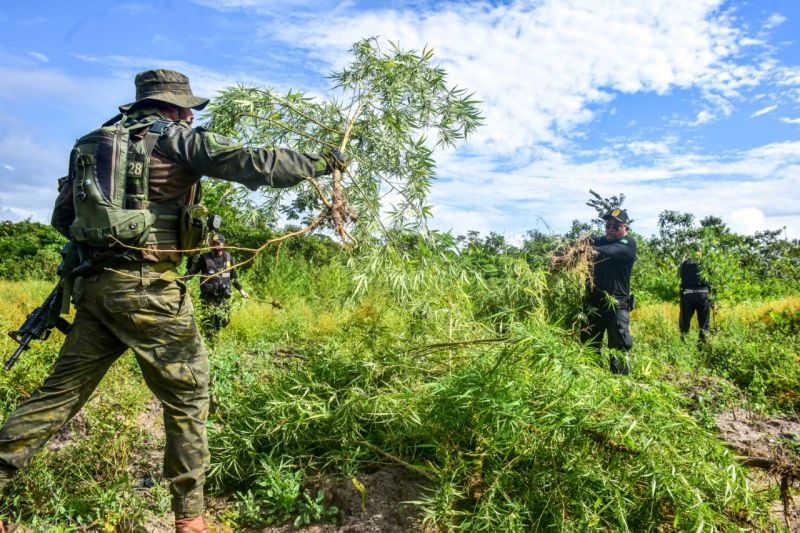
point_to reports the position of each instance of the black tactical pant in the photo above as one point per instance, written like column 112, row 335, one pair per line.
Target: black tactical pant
column 615, row 323
column 691, row 303
column 215, row 315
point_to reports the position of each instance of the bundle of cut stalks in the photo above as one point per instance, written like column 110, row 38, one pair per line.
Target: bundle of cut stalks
column 338, row 212
column 575, row 258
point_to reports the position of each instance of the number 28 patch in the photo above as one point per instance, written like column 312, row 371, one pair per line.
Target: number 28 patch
column 135, row 169
column 135, row 166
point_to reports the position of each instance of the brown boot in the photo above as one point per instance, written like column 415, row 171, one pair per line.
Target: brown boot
column 10, row 528
column 190, row 525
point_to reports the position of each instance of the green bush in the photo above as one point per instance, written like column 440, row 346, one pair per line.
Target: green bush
column 760, row 358
column 29, row 250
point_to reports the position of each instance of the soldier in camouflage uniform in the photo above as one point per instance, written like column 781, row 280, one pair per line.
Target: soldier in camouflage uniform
column 142, row 303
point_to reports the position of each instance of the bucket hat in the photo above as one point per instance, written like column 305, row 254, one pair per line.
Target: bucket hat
column 165, row 86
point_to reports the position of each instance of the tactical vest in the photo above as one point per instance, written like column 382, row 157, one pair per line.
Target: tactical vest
column 109, row 173
column 219, row 283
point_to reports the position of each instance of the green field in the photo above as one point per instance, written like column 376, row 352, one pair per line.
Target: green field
column 470, row 382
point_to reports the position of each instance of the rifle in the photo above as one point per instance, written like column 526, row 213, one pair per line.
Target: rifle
column 38, row 324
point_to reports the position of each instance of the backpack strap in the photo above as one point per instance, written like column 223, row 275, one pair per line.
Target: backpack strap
column 138, row 166
column 166, row 229
column 154, row 133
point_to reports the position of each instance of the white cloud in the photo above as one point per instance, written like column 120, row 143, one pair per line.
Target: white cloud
column 135, row 8
column 555, row 187
column 14, row 215
column 644, row 147
column 764, row 111
column 542, row 67
column 703, row 117
column 41, row 57
column 263, row 6
column 787, row 75
column 747, row 220
column 791, row 120
column 87, row 97
column 774, row 20
column 204, row 81
column 29, row 173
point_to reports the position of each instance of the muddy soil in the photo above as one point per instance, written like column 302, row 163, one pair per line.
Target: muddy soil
column 381, row 510
column 754, row 435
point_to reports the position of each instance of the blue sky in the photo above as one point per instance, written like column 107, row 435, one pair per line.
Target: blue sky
column 691, row 105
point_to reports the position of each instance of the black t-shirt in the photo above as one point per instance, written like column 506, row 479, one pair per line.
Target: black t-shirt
column 691, row 278
column 612, row 267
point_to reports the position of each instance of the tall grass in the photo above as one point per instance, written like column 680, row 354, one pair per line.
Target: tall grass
column 526, row 431
column 516, row 436
column 88, row 477
column 476, row 383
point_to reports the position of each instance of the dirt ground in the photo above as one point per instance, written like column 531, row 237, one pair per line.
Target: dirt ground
column 772, row 445
column 754, row 435
column 768, row 446
column 380, row 511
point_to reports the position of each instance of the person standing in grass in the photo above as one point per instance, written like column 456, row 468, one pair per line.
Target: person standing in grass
column 695, row 296
column 134, row 297
column 608, row 301
column 217, row 275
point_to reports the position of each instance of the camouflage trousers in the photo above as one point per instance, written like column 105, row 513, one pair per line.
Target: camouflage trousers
column 144, row 307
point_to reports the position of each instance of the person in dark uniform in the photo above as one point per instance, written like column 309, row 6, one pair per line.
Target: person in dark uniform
column 217, row 276
column 695, row 295
column 608, row 300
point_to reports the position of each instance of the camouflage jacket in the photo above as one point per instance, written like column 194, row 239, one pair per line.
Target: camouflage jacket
column 183, row 154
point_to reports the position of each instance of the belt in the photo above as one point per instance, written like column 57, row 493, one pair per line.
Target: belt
column 694, row 291
column 167, row 269
column 160, row 267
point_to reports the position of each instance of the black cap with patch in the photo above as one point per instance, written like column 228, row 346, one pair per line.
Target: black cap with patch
column 620, row 215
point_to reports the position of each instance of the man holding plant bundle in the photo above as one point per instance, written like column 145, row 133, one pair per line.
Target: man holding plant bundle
column 130, row 206
column 608, row 300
